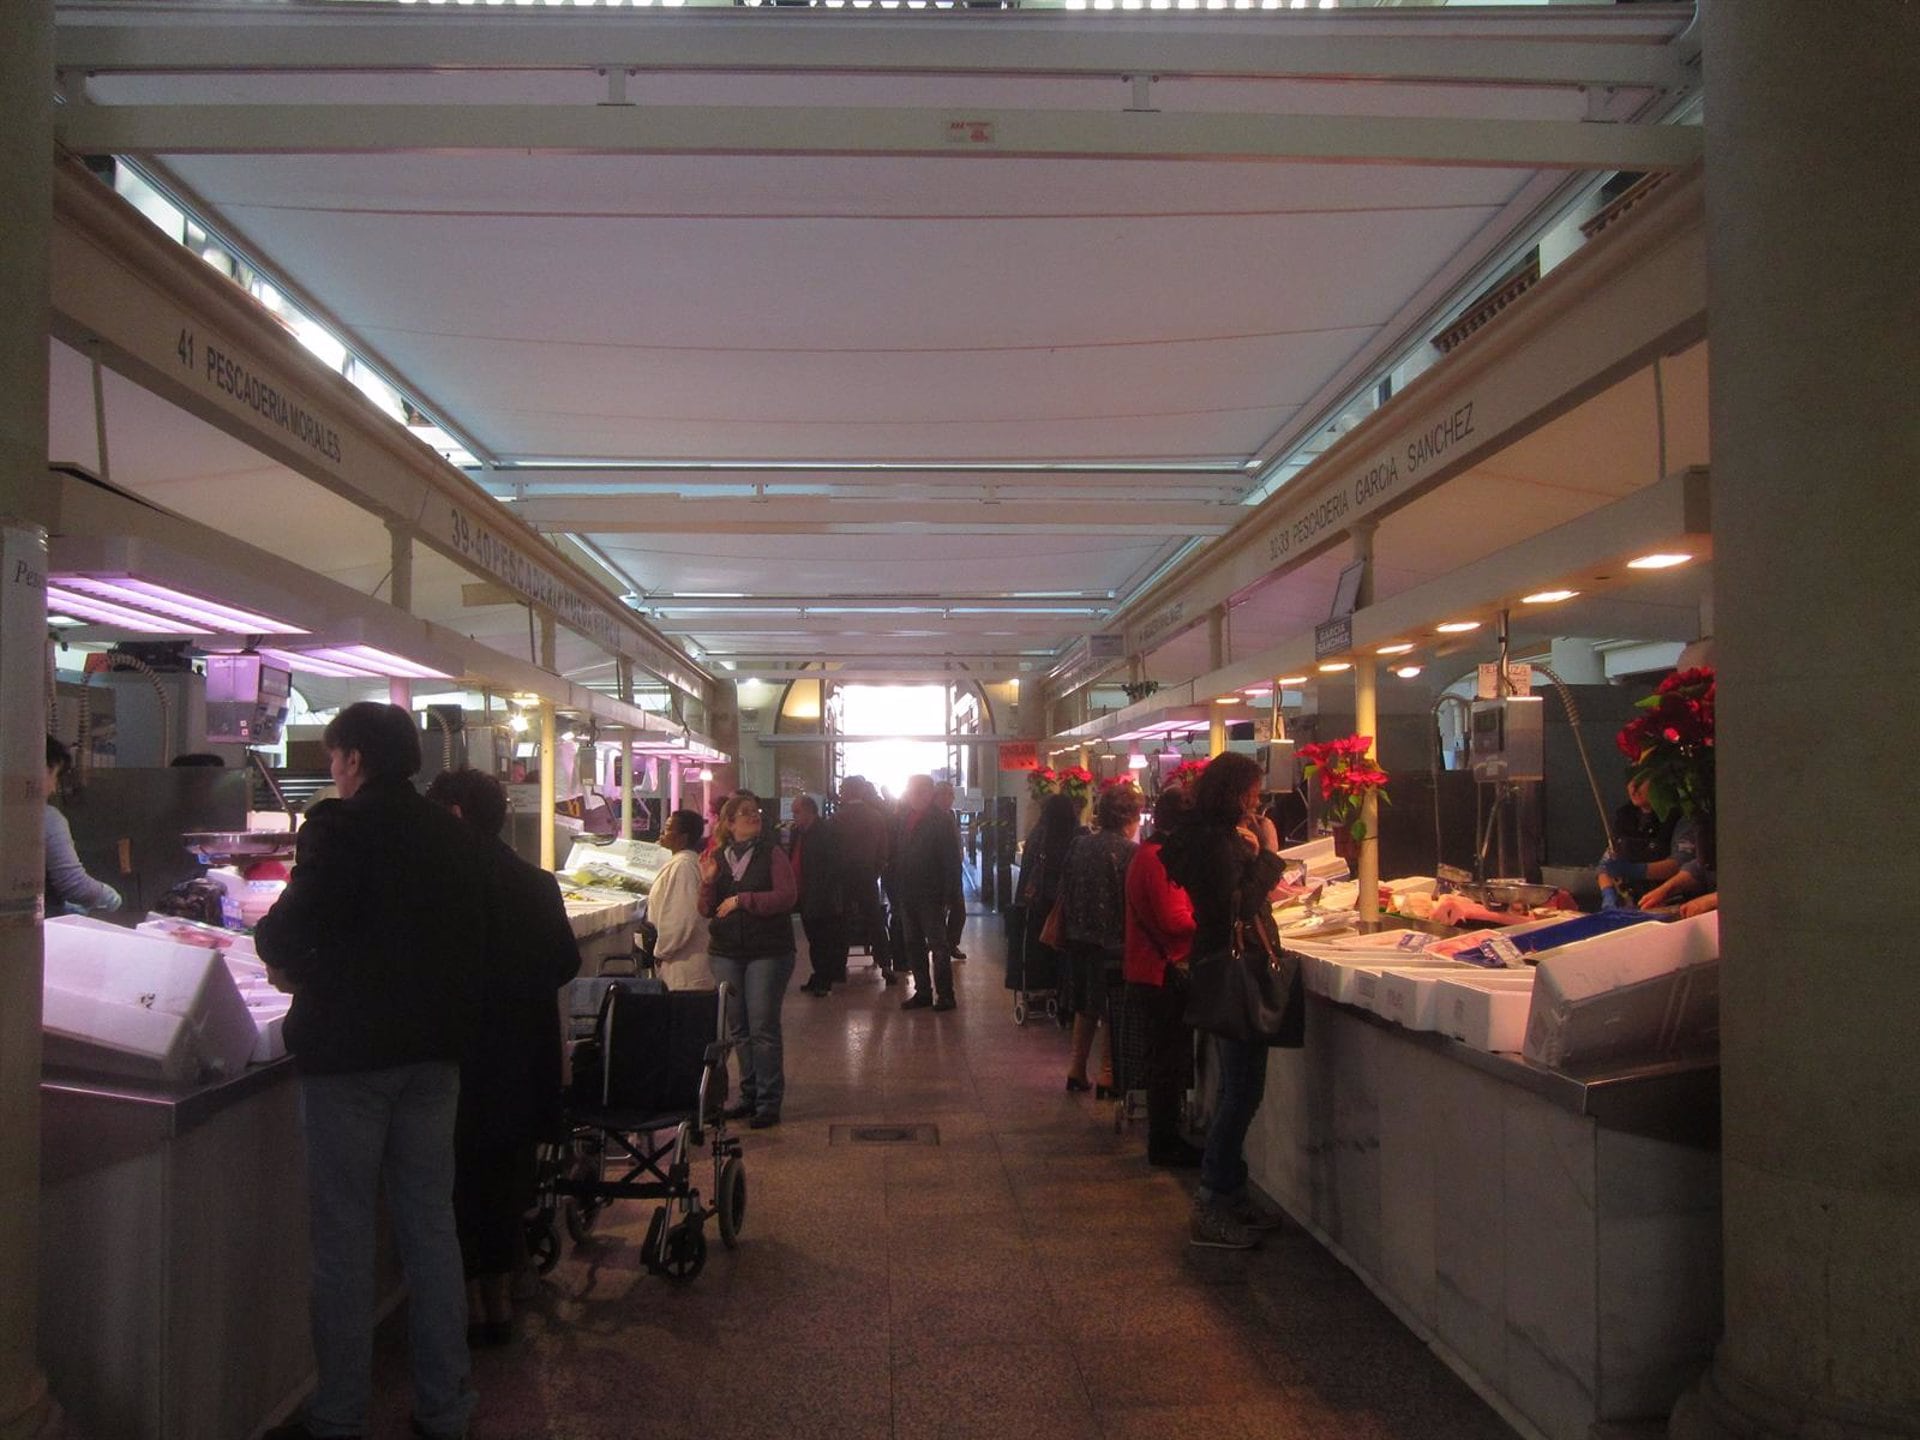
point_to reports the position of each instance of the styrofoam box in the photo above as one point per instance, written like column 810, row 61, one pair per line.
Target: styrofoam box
column 1487, row 1010
column 1369, row 991
column 1405, row 994
column 141, row 1005
column 1646, row 990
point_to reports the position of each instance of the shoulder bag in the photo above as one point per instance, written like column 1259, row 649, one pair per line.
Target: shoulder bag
column 1053, row 931
column 1242, row 991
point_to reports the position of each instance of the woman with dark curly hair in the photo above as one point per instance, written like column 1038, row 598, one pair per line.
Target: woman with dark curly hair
column 1227, row 859
column 1093, row 905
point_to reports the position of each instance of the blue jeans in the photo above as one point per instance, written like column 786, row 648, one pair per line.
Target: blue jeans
column 1243, row 1085
column 366, row 1130
column 753, row 1024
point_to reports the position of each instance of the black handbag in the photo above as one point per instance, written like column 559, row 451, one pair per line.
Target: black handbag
column 1245, row 991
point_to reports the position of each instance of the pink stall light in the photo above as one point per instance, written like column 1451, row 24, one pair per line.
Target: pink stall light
column 62, row 601
column 176, row 606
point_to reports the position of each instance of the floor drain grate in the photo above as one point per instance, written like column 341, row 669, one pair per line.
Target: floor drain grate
column 883, row 1135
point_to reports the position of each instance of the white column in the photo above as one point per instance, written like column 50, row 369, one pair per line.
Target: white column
column 673, row 788
column 1366, row 721
column 624, row 668
column 1813, row 214
column 549, row 755
column 26, row 199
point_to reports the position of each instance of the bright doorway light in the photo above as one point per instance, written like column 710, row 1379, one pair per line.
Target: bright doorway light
column 886, row 714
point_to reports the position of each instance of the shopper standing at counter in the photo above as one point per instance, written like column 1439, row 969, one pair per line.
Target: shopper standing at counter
column 1227, row 859
column 375, row 937
column 746, row 886
column 510, row 1075
column 673, row 906
column 1159, row 934
column 68, row 883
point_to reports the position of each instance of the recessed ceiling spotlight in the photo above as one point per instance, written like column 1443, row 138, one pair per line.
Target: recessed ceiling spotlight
column 1548, row 597
column 1457, row 627
column 1407, row 672
column 1393, row 649
column 1658, row 561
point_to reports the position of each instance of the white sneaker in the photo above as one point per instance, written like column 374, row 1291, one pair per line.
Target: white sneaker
column 1215, row 1228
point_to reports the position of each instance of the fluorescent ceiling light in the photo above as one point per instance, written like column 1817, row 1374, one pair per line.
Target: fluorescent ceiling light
column 99, row 612
column 1457, row 627
column 1658, row 561
column 177, row 606
column 1257, row 692
column 1548, row 597
column 1400, row 649
column 1334, row 667
column 364, row 662
column 1293, row 679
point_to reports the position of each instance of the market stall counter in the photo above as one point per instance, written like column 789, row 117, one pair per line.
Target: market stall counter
column 1553, row 1231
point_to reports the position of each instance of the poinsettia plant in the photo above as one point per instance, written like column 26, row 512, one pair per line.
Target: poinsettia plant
column 1671, row 743
column 1073, row 781
column 1183, row 774
column 1346, row 774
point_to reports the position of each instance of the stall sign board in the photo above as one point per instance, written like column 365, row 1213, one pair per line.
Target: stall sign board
column 1519, row 679
column 1333, row 637
column 1019, row 755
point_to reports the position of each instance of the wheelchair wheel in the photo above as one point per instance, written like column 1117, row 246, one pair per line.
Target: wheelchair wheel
column 730, row 1200
column 543, row 1244
column 686, row 1254
column 582, row 1211
column 1019, row 1007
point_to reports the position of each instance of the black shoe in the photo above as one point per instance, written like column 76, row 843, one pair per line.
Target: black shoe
column 1077, row 1087
column 420, row 1432
column 1176, row 1157
column 922, row 1001
column 945, row 1002
column 1105, row 1092
column 816, row 988
column 959, row 954
column 295, row 1430
column 738, row 1112
column 890, row 977
column 765, row 1121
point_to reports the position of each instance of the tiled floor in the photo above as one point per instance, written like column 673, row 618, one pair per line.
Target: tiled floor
column 1029, row 1277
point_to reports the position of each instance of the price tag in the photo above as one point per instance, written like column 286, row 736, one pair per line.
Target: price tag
column 1505, row 951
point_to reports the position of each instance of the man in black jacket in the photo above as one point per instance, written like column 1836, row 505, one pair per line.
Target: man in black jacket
column 380, row 937
column 510, row 1075
column 926, row 875
column 865, row 847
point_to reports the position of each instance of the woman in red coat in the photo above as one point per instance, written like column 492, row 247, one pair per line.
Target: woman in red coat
column 1159, row 935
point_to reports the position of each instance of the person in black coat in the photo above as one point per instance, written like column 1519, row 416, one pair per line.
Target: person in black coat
column 865, row 844
column 926, row 872
column 377, row 937
column 510, row 1075
column 813, row 849
column 1227, row 859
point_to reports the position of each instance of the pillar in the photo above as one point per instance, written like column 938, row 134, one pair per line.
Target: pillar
column 26, row 199
column 1812, row 217
column 1366, row 721
column 549, row 755
column 623, row 667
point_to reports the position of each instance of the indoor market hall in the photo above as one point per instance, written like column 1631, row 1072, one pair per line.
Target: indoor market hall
column 998, row 1261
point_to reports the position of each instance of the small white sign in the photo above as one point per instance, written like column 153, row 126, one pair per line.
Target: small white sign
column 970, row 132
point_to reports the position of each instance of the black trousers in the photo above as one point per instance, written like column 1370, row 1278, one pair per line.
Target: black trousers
column 925, row 923
column 1169, row 1059
column 493, row 1187
column 826, row 947
column 865, row 921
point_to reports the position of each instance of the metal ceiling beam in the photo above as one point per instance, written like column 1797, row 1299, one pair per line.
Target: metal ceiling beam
column 819, row 515
column 1444, row 49
column 921, row 629
column 90, row 129
column 722, row 603
column 1162, row 482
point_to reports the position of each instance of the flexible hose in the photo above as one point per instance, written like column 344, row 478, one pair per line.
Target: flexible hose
column 1573, row 720
column 1434, row 758
column 117, row 661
